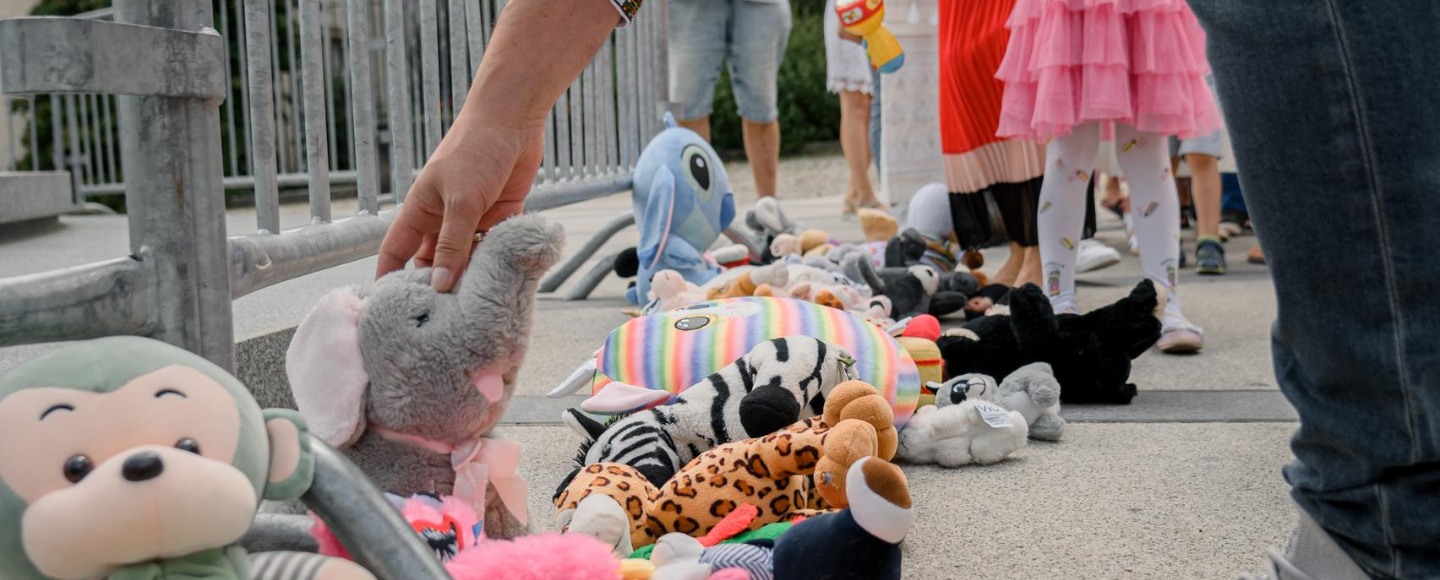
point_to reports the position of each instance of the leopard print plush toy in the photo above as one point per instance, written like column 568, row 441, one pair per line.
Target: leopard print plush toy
column 615, row 503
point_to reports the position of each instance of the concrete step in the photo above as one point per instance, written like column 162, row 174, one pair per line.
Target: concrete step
column 1110, row 501
column 30, row 196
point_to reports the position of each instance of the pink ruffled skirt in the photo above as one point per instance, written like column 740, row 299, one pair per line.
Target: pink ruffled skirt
column 1138, row 62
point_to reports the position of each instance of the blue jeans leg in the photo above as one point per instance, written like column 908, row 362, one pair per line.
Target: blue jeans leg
column 1331, row 105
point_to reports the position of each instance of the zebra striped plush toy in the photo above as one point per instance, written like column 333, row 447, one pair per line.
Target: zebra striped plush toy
column 779, row 382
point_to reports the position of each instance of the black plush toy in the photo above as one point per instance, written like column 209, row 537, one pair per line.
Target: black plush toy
column 922, row 290
column 1090, row 352
column 905, row 249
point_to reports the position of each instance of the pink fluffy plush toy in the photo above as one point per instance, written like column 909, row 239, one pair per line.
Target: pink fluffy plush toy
column 450, row 527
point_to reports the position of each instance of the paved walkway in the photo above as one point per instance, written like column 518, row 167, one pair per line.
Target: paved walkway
column 1184, row 483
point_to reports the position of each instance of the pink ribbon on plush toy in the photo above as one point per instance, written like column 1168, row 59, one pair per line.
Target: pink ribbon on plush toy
column 490, row 461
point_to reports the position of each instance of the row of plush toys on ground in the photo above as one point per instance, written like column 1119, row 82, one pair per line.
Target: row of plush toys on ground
column 682, row 204
column 761, row 430
column 756, row 410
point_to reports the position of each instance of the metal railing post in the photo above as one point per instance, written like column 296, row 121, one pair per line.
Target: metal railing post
column 174, row 192
column 261, row 126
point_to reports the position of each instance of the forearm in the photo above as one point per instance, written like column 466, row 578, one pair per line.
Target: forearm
column 538, row 49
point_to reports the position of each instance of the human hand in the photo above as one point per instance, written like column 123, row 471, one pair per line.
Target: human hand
column 484, row 167
column 845, row 35
column 479, row 175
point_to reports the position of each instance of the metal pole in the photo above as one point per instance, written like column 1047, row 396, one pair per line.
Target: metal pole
column 97, row 160
column 176, row 199
column 402, row 165
column 8, row 119
column 362, row 108
column 108, row 137
column 347, row 87
column 475, row 27
column 57, row 146
column 591, row 118
column 234, row 157
column 326, row 20
column 313, row 69
column 430, row 74
column 35, row 134
column 244, row 85
column 297, row 122
column 263, row 159
column 563, row 150
column 277, row 105
column 74, row 162
column 459, row 63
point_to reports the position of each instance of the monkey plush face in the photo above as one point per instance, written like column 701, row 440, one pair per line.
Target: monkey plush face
column 131, row 451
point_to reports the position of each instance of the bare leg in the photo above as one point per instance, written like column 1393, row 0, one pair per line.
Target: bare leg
column 1205, row 190
column 1008, row 273
column 762, row 148
column 1031, row 272
column 700, row 125
column 855, row 142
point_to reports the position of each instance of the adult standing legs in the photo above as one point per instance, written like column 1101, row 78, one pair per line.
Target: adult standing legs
column 1355, row 82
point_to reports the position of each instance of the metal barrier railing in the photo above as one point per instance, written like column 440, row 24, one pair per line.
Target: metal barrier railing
column 175, row 156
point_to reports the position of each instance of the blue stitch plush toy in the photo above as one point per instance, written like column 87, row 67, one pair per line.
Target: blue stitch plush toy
column 682, row 203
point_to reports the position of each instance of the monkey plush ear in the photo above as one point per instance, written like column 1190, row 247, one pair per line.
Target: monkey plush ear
column 292, row 467
column 326, row 369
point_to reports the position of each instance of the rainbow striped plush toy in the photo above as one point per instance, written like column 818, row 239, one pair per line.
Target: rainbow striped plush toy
column 666, row 352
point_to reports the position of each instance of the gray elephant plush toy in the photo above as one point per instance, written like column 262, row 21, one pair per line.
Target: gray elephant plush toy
column 409, row 382
column 1033, row 391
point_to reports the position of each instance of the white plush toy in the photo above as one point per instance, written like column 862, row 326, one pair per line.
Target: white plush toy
column 963, row 427
column 677, row 557
column 1033, row 392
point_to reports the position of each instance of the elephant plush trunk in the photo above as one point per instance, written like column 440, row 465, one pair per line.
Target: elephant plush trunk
column 498, row 289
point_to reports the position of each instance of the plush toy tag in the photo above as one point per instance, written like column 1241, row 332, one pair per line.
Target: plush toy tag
column 994, row 415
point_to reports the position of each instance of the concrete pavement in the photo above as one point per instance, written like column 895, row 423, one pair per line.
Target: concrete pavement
column 1184, row 483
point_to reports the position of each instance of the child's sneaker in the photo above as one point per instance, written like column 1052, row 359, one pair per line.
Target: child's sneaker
column 1180, row 337
column 1209, row 256
column 1093, row 255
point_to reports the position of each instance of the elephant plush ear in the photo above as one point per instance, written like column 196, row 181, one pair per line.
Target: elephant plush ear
column 326, row 369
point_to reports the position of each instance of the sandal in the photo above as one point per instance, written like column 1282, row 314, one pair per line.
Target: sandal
column 1255, row 256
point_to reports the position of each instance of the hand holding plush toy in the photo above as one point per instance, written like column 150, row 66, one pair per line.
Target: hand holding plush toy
column 130, row 459
column 866, row 18
column 409, row 381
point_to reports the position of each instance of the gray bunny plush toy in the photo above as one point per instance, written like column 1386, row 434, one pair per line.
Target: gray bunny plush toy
column 409, row 382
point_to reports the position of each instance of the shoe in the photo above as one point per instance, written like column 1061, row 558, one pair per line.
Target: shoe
column 1310, row 554
column 1093, row 255
column 1182, row 338
column 1209, row 256
column 1184, row 260
column 1229, row 230
column 1234, row 218
column 1255, row 256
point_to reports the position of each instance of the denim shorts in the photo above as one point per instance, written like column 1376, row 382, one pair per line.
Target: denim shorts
column 1209, row 145
column 749, row 35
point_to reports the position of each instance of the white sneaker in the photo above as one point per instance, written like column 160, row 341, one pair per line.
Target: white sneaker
column 1094, row 256
column 1310, row 554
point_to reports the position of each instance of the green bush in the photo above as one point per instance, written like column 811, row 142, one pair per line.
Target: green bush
column 808, row 112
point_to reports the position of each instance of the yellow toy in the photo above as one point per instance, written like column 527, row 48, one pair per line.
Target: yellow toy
column 865, row 18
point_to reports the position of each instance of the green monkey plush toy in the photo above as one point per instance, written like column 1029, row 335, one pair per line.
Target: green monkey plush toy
column 129, row 459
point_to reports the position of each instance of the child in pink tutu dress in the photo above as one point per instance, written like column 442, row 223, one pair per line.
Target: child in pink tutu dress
column 1128, row 71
